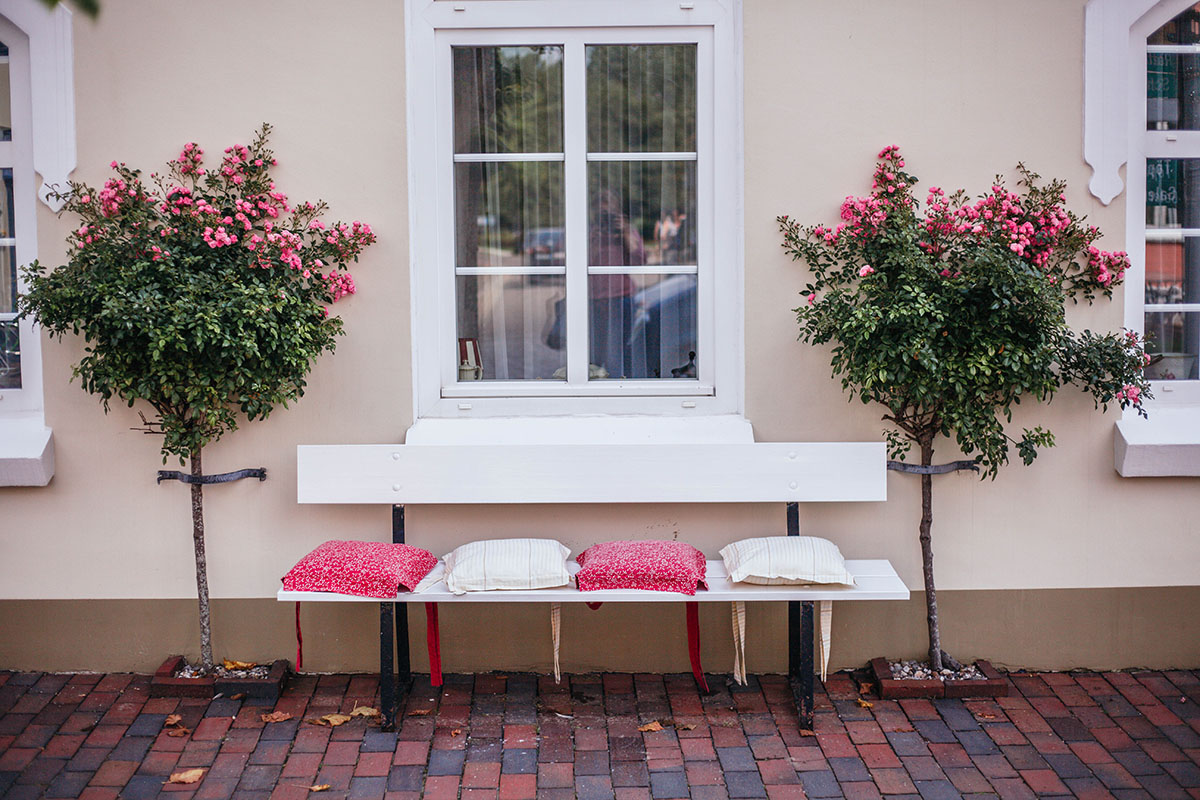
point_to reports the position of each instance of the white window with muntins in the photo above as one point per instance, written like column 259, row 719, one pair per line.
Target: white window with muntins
column 20, row 379
column 575, row 208
column 1171, row 148
column 37, row 152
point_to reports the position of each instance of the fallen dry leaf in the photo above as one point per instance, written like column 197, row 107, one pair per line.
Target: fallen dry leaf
column 685, row 726
column 364, row 711
column 804, row 732
column 864, row 704
column 982, row 717
column 420, row 712
column 330, row 720
column 178, row 732
column 186, row 776
column 276, row 716
column 456, row 732
column 866, row 687
column 237, row 696
column 320, row 787
column 172, row 719
column 239, row 664
column 650, row 726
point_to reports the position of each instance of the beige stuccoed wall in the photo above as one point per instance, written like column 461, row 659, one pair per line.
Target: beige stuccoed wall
column 966, row 89
column 149, row 77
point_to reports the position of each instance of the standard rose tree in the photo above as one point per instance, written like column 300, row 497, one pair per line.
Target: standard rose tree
column 202, row 293
column 950, row 314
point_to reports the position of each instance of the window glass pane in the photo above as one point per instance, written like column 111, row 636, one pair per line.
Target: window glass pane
column 1173, row 193
column 5, row 97
column 1171, row 341
column 642, row 326
column 641, row 212
column 511, row 327
column 7, row 214
column 641, row 98
column 509, row 214
column 1173, row 78
column 8, row 280
column 1172, row 268
column 508, row 99
column 10, row 356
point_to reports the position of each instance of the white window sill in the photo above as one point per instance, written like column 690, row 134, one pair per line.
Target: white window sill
column 26, row 453
column 632, row 429
column 1165, row 444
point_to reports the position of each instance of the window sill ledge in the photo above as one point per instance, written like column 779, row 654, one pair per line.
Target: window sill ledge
column 1167, row 444
column 633, row 429
column 26, row 453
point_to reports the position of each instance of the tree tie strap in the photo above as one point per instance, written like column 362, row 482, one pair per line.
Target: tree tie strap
column 932, row 469
column 224, row 477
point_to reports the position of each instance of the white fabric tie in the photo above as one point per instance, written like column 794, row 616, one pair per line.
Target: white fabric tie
column 826, row 635
column 555, row 627
column 739, row 641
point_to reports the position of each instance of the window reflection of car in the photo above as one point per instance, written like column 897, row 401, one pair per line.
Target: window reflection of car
column 545, row 247
column 662, row 339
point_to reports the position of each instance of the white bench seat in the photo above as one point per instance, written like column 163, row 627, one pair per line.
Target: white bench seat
column 875, row 578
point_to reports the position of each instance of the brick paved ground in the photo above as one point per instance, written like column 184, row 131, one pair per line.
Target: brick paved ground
column 98, row 737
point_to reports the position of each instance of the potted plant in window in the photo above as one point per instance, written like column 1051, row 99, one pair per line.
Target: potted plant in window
column 202, row 294
column 951, row 314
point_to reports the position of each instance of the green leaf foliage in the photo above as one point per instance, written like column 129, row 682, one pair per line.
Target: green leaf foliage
column 204, row 293
column 949, row 314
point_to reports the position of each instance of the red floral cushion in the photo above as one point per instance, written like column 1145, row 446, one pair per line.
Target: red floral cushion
column 654, row 565
column 365, row 569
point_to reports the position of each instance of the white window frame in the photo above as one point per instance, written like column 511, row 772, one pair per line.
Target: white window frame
column 433, row 27
column 17, row 155
column 1167, row 443
column 1146, row 144
column 41, row 75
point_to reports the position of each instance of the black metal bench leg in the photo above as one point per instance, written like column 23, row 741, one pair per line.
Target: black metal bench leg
column 403, row 659
column 387, row 674
column 800, row 659
column 800, row 641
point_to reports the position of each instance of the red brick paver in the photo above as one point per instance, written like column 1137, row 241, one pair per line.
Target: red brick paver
column 1083, row 735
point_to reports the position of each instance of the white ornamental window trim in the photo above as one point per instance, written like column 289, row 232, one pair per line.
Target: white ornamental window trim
column 52, row 74
column 1110, row 47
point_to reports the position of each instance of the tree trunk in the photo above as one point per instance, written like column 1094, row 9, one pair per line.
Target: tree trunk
column 935, row 639
column 206, row 655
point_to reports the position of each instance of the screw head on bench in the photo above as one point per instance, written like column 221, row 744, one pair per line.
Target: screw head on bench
column 395, row 487
column 793, row 485
column 395, row 456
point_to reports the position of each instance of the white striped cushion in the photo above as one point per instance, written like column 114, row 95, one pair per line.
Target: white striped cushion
column 785, row 560
column 507, row 564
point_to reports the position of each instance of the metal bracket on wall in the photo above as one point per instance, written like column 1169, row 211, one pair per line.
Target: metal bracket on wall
column 224, row 477
column 932, row 469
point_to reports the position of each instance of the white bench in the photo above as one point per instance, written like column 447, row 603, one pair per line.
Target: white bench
column 627, row 473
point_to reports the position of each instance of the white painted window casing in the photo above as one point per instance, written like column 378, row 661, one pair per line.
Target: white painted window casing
column 42, row 146
column 1167, row 443
column 714, row 27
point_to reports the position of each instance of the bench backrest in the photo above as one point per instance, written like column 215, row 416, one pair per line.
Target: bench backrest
column 569, row 473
